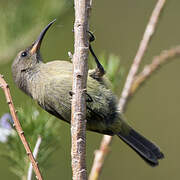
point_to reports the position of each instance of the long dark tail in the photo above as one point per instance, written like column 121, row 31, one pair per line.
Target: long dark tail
column 146, row 149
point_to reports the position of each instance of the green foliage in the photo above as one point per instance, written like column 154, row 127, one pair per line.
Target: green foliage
column 113, row 68
column 21, row 20
column 34, row 124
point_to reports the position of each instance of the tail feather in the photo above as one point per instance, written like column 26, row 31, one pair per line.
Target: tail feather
column 148, row 144
column 146, row 149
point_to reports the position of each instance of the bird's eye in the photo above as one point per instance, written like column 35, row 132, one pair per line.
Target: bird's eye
column 24, row 54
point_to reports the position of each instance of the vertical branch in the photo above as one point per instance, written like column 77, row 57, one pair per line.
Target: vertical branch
column 18, row 127
column 140, row 53
column 100, row 155
column 80, row 69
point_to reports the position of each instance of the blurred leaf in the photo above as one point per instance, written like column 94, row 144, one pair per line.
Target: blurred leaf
column 34, row 124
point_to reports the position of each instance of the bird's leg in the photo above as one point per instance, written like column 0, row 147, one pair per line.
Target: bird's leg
column 88, row 98
column 99, row 71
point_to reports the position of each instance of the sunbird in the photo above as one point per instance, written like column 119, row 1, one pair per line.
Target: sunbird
column 50, row 85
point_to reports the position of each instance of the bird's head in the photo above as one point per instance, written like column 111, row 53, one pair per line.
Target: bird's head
column 30, row 57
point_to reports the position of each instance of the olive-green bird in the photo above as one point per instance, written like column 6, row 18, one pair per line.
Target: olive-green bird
column 50, row 85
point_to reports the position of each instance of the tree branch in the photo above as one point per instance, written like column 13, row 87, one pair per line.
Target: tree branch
column 105, row 143
column 100, row 156
column 140, row 53
column 156, row 63
column 80, row 69
column 18, row 127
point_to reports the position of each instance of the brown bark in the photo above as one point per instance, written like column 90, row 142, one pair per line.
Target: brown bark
column 80, row 69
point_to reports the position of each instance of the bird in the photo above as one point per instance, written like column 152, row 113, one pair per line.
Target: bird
column 50, row 85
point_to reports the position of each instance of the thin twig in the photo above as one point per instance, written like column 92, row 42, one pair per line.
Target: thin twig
column 156, row 63
column 140, row 53
column 80, row 69
column 35, row 153
column 96, row 167
column 18, row 127
column 99, row 158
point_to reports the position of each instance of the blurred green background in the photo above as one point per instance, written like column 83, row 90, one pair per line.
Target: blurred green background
column 118, row 27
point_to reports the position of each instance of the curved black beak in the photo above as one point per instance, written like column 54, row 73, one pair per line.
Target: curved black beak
column 37, row 44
